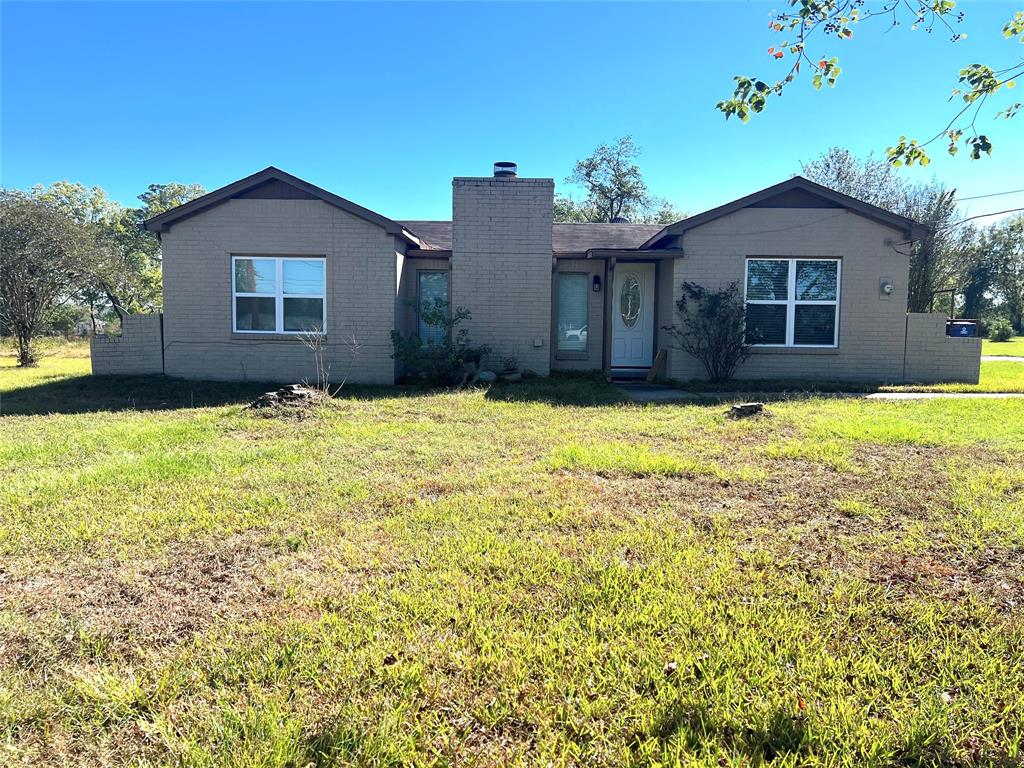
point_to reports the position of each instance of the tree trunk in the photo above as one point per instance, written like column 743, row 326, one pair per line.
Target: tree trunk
column 26, row 355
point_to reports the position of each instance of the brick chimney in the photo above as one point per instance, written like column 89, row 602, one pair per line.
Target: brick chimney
column 501, row 264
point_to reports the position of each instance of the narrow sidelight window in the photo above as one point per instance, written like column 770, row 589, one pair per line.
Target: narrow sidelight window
column 432, row 296
column 573, row 305
column 278, row 294
column 793, row 302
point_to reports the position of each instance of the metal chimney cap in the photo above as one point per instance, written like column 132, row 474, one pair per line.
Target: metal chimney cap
column 504, row 168
column 620, row 220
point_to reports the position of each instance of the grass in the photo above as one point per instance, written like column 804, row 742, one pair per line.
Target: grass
column 1013, row 348
column 535, row 574
column 998, row 376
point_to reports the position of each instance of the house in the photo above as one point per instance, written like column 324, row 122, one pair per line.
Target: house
column 250, row 267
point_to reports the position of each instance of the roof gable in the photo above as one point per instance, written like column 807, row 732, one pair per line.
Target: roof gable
column 796, row 192
column 274, row 184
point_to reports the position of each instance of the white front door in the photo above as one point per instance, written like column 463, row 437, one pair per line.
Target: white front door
column 633, row 315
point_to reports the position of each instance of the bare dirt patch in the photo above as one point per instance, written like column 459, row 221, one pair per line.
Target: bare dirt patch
column 151, row 604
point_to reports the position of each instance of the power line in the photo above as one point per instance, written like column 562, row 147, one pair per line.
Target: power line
column 991, row 194
column 983, row 216
column 958, row 223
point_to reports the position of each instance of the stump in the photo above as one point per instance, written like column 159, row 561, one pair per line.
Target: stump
column 290, row 394
column 745, row 410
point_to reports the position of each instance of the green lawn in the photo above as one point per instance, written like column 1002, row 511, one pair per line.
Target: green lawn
column 996, row 376
column 1014, row 347
column 538, row 574
column 1000, row 376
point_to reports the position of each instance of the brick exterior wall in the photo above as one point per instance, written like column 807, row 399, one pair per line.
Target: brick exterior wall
column 136, row 352
column 362, row 284
column 501, row 265
column 933, row 357
column 872, row 324
column 501, row 270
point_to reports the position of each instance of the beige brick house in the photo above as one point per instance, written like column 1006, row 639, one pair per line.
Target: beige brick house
column 250, row 267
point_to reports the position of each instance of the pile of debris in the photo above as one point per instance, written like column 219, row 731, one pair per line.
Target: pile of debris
column 298, row 395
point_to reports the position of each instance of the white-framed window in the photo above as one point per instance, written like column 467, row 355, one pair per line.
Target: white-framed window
column 278, row 294
column 573, row 311
column 431, row 288
column 792, row 302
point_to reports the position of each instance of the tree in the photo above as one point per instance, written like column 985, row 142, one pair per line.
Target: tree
column 85, row 205
column 159, row 198
column 976, row 272
column 615, row 189
column 43, row 254
column 1006, row 241
column 63, row 319
column 809, row 19
column 123, row 273
column 933, row 258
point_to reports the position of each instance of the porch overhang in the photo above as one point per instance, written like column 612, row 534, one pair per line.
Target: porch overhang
column 634, row 254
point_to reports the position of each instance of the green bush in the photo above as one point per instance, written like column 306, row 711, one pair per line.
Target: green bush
column 712, row 328
column 450, row 362
column 1000, row 330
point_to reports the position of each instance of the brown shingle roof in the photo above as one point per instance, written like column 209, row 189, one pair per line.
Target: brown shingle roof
column 566, row 238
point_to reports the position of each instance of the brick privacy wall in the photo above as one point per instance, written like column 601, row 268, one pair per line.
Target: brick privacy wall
column 933, row 357
column 363, row 269
column 872, row 325
column 592, row 359
column 501, row 265
column 135, row 352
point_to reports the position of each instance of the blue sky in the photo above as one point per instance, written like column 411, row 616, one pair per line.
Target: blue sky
column 385, row 103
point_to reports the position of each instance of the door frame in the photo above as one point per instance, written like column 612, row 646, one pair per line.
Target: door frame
column 609, row 281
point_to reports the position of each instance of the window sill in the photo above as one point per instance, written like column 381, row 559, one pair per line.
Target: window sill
column 794, row 350
column 568, row 355
column 279, row 337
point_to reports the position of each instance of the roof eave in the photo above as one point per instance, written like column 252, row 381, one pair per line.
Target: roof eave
column 658, row 253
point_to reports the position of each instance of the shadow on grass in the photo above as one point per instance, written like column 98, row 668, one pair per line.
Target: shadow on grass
column 88, row 394
column 566, row 389
column 781, row 386
column 779, row 736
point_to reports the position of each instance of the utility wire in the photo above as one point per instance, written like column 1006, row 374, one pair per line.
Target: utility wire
column 991, row 194
column 959, row 222
column 983, row 216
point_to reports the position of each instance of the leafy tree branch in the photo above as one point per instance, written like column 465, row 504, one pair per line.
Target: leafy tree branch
column 808, row 20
